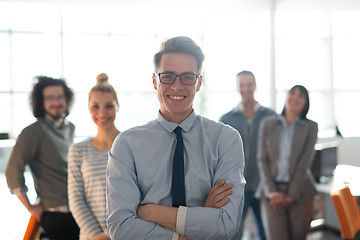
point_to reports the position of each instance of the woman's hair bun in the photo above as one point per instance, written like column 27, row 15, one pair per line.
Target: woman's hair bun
column 102, row 78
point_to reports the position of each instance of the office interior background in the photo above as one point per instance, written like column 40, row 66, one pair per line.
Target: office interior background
column 283, row 42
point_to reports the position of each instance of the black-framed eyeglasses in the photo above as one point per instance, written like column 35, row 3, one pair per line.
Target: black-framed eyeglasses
column 185, row 78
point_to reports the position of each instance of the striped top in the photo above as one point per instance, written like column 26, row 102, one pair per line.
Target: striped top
column 86, row 188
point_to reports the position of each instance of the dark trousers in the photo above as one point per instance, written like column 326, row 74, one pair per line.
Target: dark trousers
column 59, row 226
column 254, row 203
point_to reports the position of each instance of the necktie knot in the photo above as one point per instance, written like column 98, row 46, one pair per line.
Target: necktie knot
column 177, row 131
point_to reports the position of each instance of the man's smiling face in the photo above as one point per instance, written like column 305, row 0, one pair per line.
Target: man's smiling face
column 176, row 100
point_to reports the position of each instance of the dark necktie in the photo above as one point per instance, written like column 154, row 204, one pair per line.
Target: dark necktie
column 178, row 179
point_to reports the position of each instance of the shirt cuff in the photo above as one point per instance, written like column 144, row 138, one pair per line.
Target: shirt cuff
column 181, row 220
column 175, row 236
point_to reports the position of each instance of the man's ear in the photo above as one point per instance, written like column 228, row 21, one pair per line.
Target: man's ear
column 199, row 84
column 154, row 81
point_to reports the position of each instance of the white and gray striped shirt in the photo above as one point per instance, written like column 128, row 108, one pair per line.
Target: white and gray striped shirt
column 86, row 188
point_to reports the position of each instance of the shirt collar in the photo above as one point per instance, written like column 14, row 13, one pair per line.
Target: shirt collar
column 241, row 107
column 170, row 126
column 54, row 123
column 297, row 120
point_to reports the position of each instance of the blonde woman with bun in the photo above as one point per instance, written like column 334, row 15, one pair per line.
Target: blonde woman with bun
column 87, row 163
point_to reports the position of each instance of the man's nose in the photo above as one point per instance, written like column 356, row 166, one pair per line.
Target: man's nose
column 177, row 83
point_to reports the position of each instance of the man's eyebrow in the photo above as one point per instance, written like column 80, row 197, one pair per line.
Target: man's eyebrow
column 189, row 72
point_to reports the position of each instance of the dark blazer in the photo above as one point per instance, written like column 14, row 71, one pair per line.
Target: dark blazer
column 302, row 185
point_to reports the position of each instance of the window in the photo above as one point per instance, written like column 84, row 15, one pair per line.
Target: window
column 79, row 41
column 346, row 52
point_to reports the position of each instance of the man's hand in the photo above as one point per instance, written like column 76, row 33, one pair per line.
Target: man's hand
column 166, row 216
column 218, row 195
column 162, row 215
column 36, row 211
column 143, row 212
column 182, row 237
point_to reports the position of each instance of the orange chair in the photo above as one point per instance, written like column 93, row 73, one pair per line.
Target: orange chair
column 32, row 230
column 347, row 212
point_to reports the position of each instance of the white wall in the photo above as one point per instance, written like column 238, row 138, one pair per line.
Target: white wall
column 349, row 151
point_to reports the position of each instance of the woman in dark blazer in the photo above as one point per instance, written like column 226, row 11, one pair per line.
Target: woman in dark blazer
column 286, row 151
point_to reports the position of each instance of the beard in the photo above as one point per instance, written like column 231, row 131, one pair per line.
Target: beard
column 57, row 113
column 57, row 116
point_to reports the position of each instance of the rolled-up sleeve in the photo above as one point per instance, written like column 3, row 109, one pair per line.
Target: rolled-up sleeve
column 23, row 153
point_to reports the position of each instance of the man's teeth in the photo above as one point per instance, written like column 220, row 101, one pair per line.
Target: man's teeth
column 176, row 97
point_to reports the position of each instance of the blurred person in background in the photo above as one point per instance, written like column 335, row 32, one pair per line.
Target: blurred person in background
column 246, row 118
column 87, row 163
column 43, row 147
column 286, row 151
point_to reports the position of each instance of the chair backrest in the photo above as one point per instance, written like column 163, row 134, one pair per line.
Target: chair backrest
column 33, row 229
column 347, row 212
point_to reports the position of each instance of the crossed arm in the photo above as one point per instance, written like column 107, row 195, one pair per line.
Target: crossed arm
column 129, row 183
column 166, row 216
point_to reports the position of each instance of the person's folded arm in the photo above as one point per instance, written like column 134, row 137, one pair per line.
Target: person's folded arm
column 221, row 223
column 167, row 216
column 123, row 198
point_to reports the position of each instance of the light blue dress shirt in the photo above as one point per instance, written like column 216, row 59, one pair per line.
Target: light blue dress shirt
column 140, row 171
column 283, row 162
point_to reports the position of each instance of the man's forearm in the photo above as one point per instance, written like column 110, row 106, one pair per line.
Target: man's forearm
column 35, row 210
column 25, row 201
column 168, row 216
column 162, row 215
